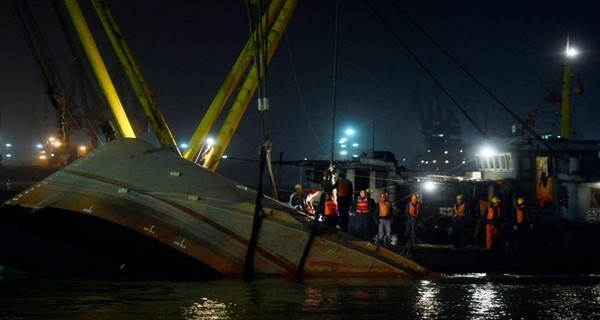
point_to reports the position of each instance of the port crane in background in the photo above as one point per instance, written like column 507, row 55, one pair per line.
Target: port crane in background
column 48, row 72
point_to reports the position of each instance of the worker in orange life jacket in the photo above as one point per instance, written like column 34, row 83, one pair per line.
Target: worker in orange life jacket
column 362, row 218
column 460, row 212
column 492, row 223
column 345, row 194
column 385, row 217
column 330, row 211
column 413, row 210
column 523, row 225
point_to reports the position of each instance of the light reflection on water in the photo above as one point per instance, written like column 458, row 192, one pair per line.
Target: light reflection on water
column 453, row 297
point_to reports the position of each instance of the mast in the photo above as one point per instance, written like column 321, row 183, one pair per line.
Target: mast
column 565, row 116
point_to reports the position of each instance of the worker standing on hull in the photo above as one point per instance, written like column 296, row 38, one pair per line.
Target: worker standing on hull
column 412, row 211
column 523, row 225
column 459, row 221
column 493, row 223
column 330, row 211
column 345, row 192
column 362, row 219
column 385, row 214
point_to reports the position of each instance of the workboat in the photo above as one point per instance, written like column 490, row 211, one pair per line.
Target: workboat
column 131, row 208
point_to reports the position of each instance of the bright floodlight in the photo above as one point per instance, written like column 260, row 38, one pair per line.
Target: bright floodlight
column 487, row 152
column 571, row 52
column 210, row 142
column 428, row 185
column 349, row 131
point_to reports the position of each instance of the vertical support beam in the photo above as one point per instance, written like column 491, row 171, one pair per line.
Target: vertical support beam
column 565, row 112
column 99, row 69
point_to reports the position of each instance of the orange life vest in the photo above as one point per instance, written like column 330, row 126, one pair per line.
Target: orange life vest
column 362, row 205
column 330, row 207
column 414, row 209
column 494, row 214
column 384, row 209
column 520, row 215
column 460, row 209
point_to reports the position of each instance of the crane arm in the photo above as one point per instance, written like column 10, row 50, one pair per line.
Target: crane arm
column 99, row 68
column 249, row 86
column 135, row 77
column 238, row 69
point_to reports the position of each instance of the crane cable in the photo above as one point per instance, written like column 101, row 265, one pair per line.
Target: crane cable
column 429, row 73
column 479, row 83
column 260, row 51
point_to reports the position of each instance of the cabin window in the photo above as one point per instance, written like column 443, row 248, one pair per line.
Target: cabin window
column 497, row 162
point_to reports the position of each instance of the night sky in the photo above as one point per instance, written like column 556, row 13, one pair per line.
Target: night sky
column 185, row 49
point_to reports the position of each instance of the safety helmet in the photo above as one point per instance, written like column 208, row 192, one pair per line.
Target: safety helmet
column 459, row 197
column 495, row 200
column 368, row 190
column 520, row 201
column 383, row 195
column 298, row 186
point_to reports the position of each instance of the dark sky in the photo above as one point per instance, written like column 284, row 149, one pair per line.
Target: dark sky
column 185, row 49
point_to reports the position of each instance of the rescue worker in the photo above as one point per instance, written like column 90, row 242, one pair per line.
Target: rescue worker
column 459, row 221
column 412, row 211
column 345, row 192
column 385, row 217
column 493, row 223
column 298, row 198
column 523, row 225
column 362, row 218
column 330, row 211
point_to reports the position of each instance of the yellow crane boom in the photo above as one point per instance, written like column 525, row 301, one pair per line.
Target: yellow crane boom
column 248, row 87
column 99, row 69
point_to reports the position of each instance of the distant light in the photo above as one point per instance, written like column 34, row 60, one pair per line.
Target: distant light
column 460, row 151
column 9, row 155
column 82, row 148
column 349, row 131
column 447, row 161
column 183, row 146
column 464, row 161
column 224, row 156
column 343, row 152
column 422, row 161
column 434, row 161
column 343, row 140
column 343, row 145
column 428, row 150
column 355, row 145
column 445, row 151
column 8, row 145
column 305, row 159
column 39, row 146
column 354, row 156
column 210, row 141
column 571, row 52
column 403, row 159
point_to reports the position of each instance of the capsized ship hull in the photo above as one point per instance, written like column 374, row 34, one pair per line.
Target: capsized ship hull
column 132, row 208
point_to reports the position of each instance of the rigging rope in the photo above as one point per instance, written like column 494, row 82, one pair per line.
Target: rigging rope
column 429, row 73
column 479, row 83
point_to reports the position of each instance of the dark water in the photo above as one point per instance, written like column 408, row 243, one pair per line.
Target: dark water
column 452, row 297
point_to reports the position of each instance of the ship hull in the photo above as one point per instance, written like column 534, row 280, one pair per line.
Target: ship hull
column 131, row 208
